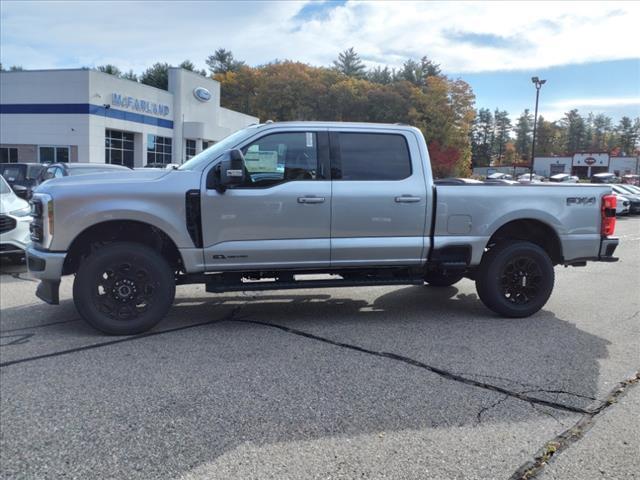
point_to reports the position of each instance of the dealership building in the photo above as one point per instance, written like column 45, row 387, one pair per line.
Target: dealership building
column 89, row 116
column 586, row 164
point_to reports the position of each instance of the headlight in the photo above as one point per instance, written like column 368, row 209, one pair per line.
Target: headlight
column 22, row 212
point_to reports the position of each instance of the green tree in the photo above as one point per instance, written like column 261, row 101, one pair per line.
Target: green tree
column 503, row 128
column 156, row 76
column 189, row 65
column 574, row 130
column 628, row 132
column 524, row 130
column 482, row 138
column 222, row 61
column 380, row 75
column 110, row 69
column 417, row 72
column 130, row 75
column 602, row 128
column 349, row 64
column 545, row 136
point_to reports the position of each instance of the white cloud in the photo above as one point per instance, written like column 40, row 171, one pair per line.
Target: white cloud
column 462, row 37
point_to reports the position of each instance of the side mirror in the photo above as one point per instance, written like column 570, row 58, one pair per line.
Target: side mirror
column 21, row 191
column 230, row 171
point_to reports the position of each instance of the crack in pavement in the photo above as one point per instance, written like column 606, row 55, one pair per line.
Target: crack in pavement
column 410, row 361
column 92, row 346
column 564, row 440
column 493, row 405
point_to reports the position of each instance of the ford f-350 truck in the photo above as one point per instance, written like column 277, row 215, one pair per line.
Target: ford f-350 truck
column 275, row 204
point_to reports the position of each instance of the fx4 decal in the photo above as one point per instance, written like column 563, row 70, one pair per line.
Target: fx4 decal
column 573, row 201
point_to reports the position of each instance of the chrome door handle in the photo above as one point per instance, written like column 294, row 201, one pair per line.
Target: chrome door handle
column 310, row 199
column 407, row 199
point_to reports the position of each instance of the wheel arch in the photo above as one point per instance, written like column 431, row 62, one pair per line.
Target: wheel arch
column 111, row 231
column 530, row 230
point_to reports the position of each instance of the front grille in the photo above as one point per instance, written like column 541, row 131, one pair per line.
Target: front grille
column 7, row 223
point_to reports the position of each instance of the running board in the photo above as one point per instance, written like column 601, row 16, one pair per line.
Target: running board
column 218, row 287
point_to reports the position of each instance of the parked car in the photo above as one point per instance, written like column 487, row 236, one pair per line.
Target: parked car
column 23, row 177
column 500, row 176
column 631, row 188
column 631, row 179
column 58, row 170
column 622, row 204
column 633, row 198
column 605, row 177
column 530, row 178
column 15, row 216
column 353, row 200
column 563, row 178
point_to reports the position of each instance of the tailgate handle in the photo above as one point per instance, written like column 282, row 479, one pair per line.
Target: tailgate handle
column 310, row 199
column 407, row 199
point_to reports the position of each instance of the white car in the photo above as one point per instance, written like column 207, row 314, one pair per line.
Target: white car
column 530, row 178
column 15, row 217
column 563, row 178
column 622, row 204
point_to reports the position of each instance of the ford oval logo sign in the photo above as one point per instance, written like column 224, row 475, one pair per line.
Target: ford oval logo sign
column 202, row 94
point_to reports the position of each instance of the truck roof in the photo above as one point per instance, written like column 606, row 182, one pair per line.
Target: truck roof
column 301, row 123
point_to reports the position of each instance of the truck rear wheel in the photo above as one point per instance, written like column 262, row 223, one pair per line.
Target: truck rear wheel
column 124, row 288
column 441, row 279
column 515, row 278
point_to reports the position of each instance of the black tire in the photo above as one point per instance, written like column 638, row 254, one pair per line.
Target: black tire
column 440, row 279
column 515, row 279
column 124, row 288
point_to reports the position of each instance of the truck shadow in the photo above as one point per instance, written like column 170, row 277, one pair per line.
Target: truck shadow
column 219, row 387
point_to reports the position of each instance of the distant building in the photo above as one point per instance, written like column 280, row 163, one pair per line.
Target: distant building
column 89, row 116
column 586, row 164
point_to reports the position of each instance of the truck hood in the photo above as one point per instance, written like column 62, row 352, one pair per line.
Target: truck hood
column 10, row 202
column 100, row 180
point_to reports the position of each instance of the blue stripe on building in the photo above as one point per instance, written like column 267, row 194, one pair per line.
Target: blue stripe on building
column 84, row 108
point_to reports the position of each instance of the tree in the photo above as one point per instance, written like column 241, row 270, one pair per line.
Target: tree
column 482, row 138
column 574, row 131
column 110, row 69
column 222, row 61
column 628, row 134
column 503, row 128
column 380, row 75
column 524, row 128
column 602, row 129
column 545, row 138
column 418, row 72
column 349, row 64
column 157, row 76
column 130, row 75
column 189, row 65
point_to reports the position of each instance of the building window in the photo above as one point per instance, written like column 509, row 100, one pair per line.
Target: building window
column 8, row 155
column 158, row 149
column 47, row 154
column 118, row 148
column 207, row 143
column 190, row 148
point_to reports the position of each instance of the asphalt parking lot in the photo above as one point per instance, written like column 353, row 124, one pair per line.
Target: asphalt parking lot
column 384, row 382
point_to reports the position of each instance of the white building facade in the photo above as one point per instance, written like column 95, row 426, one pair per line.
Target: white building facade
column 90, row 116
column 586, row 164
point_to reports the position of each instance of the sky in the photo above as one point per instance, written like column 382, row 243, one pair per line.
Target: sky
column 588, row 52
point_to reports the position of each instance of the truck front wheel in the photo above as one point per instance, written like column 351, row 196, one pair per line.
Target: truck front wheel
column 515, row 278
column 124, row 288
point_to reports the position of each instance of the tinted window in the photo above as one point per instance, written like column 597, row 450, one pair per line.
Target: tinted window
column 373, row 156
column 281, row 157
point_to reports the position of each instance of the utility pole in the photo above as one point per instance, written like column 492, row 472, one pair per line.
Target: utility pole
column 538, row 83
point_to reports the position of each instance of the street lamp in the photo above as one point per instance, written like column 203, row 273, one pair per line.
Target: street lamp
column 538, row 83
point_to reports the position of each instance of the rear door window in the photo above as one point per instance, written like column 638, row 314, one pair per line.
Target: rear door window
column 372, row 156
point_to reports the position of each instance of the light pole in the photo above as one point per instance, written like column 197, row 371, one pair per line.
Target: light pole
column 538, row 83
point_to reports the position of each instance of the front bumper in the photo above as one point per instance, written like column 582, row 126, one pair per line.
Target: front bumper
column 16, row 239
column 47, row 266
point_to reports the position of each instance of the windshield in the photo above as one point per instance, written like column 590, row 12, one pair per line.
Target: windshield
column 216, row 150
column 4, row 186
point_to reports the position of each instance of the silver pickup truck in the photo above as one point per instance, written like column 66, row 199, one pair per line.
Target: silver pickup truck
column 302, row 205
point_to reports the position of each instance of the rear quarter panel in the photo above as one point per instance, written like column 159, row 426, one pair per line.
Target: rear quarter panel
column 471, row 214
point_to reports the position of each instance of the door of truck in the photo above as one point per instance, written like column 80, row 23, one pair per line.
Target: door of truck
column 280, row 217
column 378, row 207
